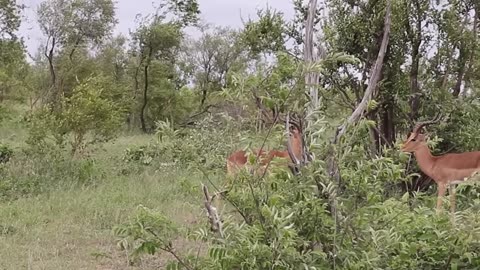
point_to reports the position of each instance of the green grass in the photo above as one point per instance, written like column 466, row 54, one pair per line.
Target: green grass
column 70, row 226
column 11, row 130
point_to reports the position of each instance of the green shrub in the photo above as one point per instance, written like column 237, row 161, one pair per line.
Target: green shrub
column 5, row 153
column 192, row 146
column 30, row 173
column 309, row 222
column 88, row 116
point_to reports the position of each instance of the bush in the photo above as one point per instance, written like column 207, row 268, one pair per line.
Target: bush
column 309, row 222
column 191, row 146
column 88, row 116
column 5, row 153
column 30, row 173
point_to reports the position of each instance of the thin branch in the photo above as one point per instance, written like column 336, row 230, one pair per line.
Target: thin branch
column 215, row 222
column 190, row 120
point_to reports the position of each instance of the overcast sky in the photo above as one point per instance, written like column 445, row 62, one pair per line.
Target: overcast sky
column 218, row 12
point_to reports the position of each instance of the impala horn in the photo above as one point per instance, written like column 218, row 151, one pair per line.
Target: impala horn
column 420, row 125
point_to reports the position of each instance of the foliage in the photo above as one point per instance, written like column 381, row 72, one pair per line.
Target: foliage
column 12, row 59
column 287, row 222
column 30, row 173
column 9, row 18
column 74, row 22
column 365, row 218
column 204, row 97
column 5, row 153
column 185, row 146
column 154, row 45
column 210, row 60
column 147, row 233
column 267, row 35
column 89, row 116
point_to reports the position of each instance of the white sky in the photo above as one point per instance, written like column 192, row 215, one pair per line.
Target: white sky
column 218, row 12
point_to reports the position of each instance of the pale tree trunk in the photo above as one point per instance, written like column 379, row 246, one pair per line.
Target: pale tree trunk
column 311, row 78
column 359, row 112
column 373, row 80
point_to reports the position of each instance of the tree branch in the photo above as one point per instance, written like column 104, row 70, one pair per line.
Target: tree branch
column 215, row 222
column 374, row 78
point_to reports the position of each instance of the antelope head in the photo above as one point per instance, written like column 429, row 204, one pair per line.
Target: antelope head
column 416, row 138
column 296, row 147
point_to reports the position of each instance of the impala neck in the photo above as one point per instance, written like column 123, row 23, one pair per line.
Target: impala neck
column 297, row 146
column 425, row 159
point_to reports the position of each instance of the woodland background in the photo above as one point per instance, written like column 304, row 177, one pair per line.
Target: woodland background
column 105, row 140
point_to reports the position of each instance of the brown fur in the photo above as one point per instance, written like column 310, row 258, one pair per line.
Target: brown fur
column 446, row 170
column 237, row 160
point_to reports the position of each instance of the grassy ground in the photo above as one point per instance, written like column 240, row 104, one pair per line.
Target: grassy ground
column 71, row 227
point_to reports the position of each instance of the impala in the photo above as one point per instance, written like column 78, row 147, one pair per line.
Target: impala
column 294, row 156
column 446, row 170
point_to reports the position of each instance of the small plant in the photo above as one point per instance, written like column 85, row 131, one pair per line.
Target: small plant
column 149, row 232
column 5, row 153
column 143, row 154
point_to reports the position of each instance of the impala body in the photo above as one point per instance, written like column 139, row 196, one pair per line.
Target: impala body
column 446, row 170
column 294, row 155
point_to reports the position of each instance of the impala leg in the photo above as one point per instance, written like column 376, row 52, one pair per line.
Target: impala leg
column 442, row 188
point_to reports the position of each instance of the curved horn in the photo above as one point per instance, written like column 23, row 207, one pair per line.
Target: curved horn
column 420, row 125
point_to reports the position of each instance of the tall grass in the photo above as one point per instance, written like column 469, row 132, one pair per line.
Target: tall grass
column 58, row 213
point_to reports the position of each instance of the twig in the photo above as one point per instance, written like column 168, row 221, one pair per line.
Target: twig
column 215, row 222
column 168, row 248
column 189, row 119
column 180, row 260
column 224, row 197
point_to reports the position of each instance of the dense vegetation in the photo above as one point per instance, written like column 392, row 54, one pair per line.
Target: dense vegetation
column 105, row 141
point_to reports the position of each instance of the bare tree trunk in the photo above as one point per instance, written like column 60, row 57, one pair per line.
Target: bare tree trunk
column 311, row 78
column 388, row 126
column 49, row 55
column 374, row 78
column 206, row 83
column 359, row 111
column 131, row 119
column 462, row 59
column 414, row 89
column 52, row 93
column 216, row 224
column 468, row 72
column 462, row 62
column 145, row 99
column 145, row 88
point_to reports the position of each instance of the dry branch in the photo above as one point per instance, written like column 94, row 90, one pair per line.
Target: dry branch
column 215, row 222
column 374, row 78
column 333, row 169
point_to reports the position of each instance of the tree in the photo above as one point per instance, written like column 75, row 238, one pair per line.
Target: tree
column 69, row 25
column 155, row 41
column 91, row 114
column 212, row 57
column 311, row 78
column 9, row 19
column 12, row 59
